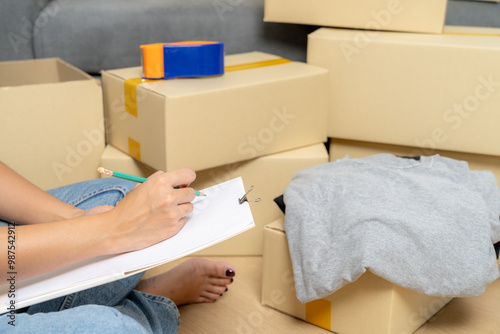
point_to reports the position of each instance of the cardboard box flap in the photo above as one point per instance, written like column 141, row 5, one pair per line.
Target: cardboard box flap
column 277, row 225
column 314, row 151
column 35, row 72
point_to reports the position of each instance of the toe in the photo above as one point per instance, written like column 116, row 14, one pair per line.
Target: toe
column 218, row 290
column 211, row 296
column 220, row 281
column 220, row 269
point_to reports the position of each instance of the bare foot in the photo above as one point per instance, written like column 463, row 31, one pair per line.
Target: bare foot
column 193, row 281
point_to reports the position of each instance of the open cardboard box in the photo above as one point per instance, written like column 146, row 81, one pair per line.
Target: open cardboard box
column 339, row 148
column 52, row 123
column 368, row 305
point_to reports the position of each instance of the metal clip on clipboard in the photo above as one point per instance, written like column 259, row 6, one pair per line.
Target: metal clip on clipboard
column 245, row 199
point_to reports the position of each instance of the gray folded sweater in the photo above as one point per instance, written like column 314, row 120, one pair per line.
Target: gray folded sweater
column 426, row 225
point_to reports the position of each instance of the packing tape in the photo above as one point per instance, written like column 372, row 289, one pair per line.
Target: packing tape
column 130, row 94
column 182, row 59
column 257, row 64
column 319, row 313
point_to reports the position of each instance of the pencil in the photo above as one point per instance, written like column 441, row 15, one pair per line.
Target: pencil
column 109, row 172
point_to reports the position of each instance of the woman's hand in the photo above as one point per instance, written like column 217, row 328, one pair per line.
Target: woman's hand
column 151, row 212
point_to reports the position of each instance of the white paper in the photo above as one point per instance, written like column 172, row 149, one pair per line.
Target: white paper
column 215, row 218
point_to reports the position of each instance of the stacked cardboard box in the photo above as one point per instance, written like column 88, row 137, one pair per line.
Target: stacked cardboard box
column 264, row 119
column 427, row 91
column 52, row 125
column 403, row 83
column 426, row 16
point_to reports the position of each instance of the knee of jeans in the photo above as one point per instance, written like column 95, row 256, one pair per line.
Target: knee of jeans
column 117, row 183
column 108, row 191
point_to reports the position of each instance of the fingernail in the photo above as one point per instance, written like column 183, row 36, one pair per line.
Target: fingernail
column 230, row 273
column 225, row 290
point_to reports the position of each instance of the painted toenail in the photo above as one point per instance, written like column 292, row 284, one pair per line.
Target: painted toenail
column 230, row 273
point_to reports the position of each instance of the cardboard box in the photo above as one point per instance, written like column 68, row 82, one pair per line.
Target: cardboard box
column 52, row 124
column 368, row 305
column 428, row 91
column 268, row 174
column 426, row 16
column 263, row 104
column 339, row 148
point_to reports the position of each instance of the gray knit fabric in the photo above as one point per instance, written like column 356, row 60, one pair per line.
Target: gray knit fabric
column 426, row 225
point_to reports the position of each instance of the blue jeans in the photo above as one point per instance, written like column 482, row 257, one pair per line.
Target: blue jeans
column 110, row 308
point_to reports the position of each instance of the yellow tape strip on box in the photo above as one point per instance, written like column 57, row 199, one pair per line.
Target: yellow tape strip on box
column 134, row 149
column 130, row 94
column 319, row 313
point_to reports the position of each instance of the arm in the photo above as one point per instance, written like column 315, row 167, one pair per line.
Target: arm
column 24, row 203
column 150, row 213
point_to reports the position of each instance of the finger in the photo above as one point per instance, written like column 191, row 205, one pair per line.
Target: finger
column 185, row 195
column 184, row 209
column 177, row 213
column 183, row 177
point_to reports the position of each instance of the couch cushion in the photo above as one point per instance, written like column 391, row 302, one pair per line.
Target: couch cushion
column 16, row 27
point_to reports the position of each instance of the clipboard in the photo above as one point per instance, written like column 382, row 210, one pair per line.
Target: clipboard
column 218, row 216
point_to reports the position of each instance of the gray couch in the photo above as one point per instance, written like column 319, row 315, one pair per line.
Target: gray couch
column 104, row 34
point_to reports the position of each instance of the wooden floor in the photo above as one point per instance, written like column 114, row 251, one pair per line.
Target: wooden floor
column 239, row 311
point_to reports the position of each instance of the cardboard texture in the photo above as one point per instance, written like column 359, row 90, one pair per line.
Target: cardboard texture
column 426, row 16
column 268, row 106
column 428, row 91
column 368, row 305
column 52, row 123
column 268, row 174
column 339, row 148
